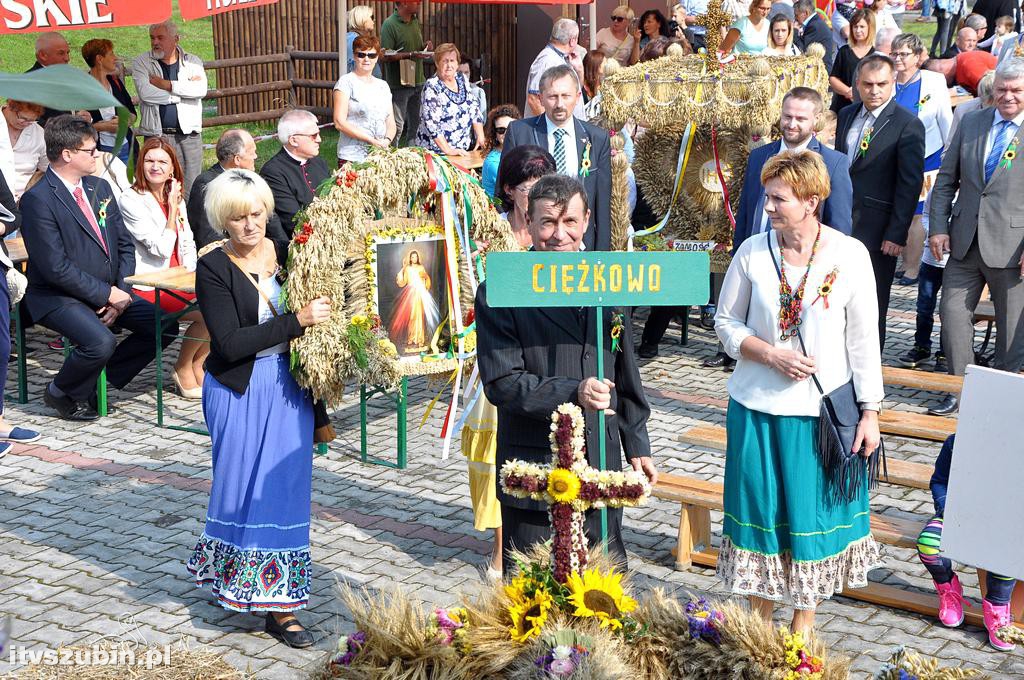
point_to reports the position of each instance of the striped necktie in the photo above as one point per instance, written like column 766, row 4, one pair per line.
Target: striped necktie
column 998, row 147
column 559, row 153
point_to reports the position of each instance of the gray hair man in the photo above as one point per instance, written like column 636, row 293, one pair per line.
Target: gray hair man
column 171, row 85
column 532, row 360
column 984, row 247
column 235, row 149
column 562, row 49
column 295, row 172
column 52, row 50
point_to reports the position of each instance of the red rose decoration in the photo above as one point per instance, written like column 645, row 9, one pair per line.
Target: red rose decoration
column 470, row 317
column 302, row 238
column 350, row 178
column 337, row 180
column 307, row 228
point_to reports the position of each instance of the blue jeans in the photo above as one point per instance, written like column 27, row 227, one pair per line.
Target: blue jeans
column 926, row 8
column 929, row 281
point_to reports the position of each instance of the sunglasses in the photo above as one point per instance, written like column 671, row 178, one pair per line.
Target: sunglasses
column 500, row 130
column 615, row 18
column 366, row 55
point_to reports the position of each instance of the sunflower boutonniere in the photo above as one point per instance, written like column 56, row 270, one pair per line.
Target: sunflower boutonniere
column 826, row 287
column 865, row 142
column 618, row 321
column 102, row 212
column 1009, row 155
column 924, row 100
column 585, row 163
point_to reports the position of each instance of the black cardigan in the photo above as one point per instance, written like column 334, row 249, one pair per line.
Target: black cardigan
column 230, row 307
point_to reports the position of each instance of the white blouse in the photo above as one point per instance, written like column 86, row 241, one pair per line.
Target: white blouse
column 272, row 288
column 841, row 336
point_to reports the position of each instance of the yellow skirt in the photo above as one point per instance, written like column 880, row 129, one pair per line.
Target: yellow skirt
column 479, row 440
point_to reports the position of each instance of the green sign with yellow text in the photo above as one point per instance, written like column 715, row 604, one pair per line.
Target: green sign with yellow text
column 597, row 279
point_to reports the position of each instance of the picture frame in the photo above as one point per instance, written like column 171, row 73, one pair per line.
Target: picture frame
column 408, row 287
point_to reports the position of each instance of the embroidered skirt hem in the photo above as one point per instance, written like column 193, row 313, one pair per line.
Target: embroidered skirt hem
column 252, row 580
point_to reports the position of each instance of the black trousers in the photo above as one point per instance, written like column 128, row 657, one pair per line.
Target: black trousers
column 96, row 346
column 522, row 529
column 885, row 269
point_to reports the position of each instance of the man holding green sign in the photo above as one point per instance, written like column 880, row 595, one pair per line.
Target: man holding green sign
column 563, row 340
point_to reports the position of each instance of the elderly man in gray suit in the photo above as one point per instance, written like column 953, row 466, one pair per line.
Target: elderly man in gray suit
column 984, row 230
column 534, row 359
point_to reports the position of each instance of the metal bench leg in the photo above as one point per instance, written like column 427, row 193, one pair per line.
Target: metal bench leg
column 19, row 343
column 401, row 401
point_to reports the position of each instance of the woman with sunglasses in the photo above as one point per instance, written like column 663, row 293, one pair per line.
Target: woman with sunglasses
column 498, row 120
column 615, row 40
column 363, row 114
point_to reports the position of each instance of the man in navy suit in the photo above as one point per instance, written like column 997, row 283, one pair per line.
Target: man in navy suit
column 801, row 109
column 580, row 149
column 81, row 253
column 811, row 28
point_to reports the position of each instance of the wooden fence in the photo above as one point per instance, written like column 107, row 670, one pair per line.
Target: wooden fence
column 267, row 99
column 311, row 26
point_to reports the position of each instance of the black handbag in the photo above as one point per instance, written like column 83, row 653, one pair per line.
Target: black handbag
column 838, row 417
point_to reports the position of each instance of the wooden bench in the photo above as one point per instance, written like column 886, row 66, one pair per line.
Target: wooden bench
column 697, row 498
column 922, row 380
column 901, row 472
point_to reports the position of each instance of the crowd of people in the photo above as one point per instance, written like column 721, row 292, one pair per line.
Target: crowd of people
column 882, row 173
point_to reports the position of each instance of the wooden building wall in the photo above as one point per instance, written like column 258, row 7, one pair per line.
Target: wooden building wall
column 312, row 25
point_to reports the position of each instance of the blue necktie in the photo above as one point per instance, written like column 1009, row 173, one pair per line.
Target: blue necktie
column 559, row 153
column 998, row 147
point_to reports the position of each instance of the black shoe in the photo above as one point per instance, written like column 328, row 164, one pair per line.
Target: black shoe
column 906, row 281
column 69, row 409
column 647, row 351
column 941, row 365
column 94, row 404
column 707, row 317
column 899, row 274
column 299, row 639
column 948, row 407
column 914, row 357
column 720, row 360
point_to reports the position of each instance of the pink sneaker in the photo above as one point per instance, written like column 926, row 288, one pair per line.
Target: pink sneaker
column 951, row 602
column 996, row 616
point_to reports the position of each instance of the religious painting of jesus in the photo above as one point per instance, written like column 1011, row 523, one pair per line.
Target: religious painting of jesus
column 411, row 291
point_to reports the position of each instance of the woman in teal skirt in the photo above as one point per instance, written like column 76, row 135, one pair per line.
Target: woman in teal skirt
column 785, row 537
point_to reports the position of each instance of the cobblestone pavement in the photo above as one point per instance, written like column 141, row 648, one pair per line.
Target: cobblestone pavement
column 97, row 520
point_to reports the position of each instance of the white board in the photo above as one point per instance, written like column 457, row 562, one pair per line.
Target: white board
column 982, row 524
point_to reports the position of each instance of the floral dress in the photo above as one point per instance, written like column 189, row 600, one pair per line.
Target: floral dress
column 448, row 114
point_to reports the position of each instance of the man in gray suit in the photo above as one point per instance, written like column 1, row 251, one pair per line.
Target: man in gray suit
column 984, row 230
column 579, row 148
column 534, row 359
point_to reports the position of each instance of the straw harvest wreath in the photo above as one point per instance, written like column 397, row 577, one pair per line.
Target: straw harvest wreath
column 730, row 108
column 402, row 193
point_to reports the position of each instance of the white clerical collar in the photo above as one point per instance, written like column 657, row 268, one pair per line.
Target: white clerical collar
column 300, row 161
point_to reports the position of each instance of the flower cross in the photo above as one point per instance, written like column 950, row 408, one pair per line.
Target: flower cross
column 570, row 487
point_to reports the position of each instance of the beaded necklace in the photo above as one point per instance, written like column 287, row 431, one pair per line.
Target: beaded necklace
column 790, row 303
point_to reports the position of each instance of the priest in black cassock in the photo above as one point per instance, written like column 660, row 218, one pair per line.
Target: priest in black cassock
column 534, row 359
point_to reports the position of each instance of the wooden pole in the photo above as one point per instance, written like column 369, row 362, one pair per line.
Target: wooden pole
column 342, row 37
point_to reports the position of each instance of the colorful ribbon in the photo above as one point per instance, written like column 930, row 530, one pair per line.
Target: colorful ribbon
column 721, row 178
column 685, row 146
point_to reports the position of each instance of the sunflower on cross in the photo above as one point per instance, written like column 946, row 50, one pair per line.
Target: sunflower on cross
column 570, row 487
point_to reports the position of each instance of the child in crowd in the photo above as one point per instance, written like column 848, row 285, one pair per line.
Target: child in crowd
column 929, row 282
column 996, row 605
column 1004, row 34
column 827, row 134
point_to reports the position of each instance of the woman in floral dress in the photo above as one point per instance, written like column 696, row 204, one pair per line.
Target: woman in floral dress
column 451, row 121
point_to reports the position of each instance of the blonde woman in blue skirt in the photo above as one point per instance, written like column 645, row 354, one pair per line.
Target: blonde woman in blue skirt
column 785, row 537
column 254, row 551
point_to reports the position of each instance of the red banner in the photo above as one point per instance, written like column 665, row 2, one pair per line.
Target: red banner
column 197, row 9
column 35, row 16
